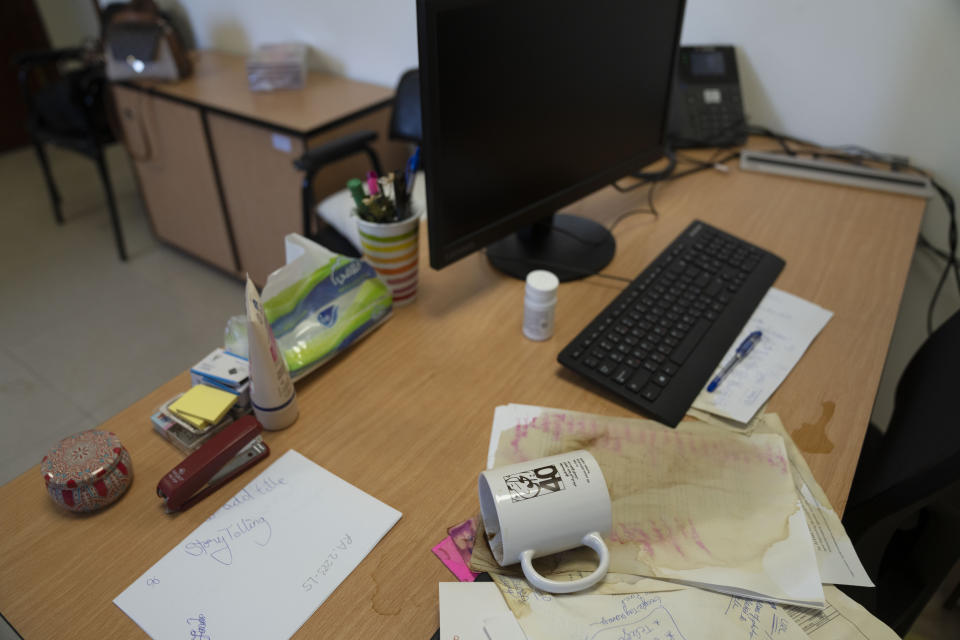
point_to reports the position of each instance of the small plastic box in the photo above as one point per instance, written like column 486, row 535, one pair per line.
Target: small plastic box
column 277, row 66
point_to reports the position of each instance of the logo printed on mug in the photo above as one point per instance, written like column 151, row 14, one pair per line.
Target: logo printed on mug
column 530, row 484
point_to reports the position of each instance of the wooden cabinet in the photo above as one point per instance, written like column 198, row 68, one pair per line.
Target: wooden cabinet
column 167, row 143
column 215, row 160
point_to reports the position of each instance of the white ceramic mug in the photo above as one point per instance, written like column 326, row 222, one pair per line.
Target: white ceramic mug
column 532, row 509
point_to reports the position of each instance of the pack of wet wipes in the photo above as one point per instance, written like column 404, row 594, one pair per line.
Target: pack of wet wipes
column 320, row 303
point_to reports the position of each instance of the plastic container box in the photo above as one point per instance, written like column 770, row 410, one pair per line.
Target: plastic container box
column 277, row 66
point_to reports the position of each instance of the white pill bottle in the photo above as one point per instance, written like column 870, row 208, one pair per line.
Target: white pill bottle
column 539, row 304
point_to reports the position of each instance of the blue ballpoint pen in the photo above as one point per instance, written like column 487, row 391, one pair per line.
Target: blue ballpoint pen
column 742, row 351
column 412, row 169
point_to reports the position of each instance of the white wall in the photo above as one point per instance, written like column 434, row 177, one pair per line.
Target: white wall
column 68, row 22
column 370, row 40
column 883, row 74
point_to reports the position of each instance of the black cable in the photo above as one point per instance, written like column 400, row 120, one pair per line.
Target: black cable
column 664, row 173
column 951, row 254
column 656, row 213
column 557, row 266
column 631, row 212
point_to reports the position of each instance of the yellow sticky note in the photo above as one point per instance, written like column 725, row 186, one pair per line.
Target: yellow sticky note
column 199, row 423
column 203, row 402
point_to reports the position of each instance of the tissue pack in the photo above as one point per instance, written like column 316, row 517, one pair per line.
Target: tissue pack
column 320, row 303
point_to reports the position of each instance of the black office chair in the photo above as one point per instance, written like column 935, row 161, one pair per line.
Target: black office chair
column 405, row 124
column 69, row 108
column 903, row 514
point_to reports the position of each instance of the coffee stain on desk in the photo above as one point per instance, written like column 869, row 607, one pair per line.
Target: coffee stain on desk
column 380, row 604
column 812, row 436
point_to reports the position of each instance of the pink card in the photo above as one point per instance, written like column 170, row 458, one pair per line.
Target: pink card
column 450, row 556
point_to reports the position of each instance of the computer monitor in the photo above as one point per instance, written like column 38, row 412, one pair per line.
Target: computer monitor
column 530, row 105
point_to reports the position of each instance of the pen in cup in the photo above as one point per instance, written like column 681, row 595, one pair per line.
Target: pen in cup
column 742, row 351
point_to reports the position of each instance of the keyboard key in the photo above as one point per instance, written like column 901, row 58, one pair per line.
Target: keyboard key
column 685, row 348
column 638, row 381
column 650, row 392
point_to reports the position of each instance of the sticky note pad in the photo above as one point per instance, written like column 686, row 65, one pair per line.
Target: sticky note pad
column 199, row 423
column 205, row 403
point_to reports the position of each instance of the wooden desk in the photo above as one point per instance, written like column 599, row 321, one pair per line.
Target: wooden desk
column 214, row 160
column 406, row 414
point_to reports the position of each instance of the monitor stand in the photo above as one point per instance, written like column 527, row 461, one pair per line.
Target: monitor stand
column 570, row 246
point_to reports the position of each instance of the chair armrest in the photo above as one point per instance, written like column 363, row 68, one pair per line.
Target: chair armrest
column 338, row 149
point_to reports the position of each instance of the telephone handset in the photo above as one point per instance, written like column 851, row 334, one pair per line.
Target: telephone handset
column 706, row 108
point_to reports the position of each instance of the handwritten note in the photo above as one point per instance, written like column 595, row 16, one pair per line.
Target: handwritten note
column 789, row 324
column 681, row 614
column 263, row 562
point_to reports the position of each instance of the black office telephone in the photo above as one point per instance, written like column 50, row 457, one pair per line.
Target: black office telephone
column 706, row 108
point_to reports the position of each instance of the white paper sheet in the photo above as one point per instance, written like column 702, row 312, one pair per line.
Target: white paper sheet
column 464, row 608
column 262, row 564
column 686, row 614
column 789, row 324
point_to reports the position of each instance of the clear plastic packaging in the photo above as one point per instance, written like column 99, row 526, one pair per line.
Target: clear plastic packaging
column 277, row 66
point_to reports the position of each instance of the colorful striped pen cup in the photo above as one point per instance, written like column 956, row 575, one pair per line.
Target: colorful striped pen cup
column 393, row 250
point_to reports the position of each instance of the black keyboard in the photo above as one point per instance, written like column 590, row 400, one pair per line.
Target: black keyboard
column 659, row 341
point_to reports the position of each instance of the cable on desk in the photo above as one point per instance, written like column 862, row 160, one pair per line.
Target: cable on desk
column 856, row 154
column 557, row 265
column 632, row 212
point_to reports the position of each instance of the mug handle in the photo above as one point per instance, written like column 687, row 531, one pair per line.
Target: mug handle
column 592, row 540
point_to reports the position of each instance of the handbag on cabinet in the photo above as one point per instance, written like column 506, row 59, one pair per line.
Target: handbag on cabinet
column 141, row 43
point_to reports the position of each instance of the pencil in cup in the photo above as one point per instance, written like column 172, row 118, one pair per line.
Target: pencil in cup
column 393, row 250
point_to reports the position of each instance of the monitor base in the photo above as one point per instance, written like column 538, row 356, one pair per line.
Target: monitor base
column 570, row 246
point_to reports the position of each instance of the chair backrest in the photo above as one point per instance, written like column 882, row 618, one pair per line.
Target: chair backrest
column 405, row 123
column 920, row 451
column 902, row 515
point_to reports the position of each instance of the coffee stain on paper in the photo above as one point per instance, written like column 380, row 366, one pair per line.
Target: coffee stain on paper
column 680, row 500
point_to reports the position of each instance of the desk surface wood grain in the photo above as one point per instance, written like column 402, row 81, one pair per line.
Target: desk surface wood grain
column 219, row 81
column 406, row 413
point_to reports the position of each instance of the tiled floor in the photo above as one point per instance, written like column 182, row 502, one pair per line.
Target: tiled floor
column 84, row 335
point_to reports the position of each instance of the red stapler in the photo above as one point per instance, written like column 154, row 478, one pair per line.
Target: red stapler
column 226, row 455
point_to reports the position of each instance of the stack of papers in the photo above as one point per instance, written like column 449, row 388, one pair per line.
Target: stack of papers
column 712, row 509
column 749, row 548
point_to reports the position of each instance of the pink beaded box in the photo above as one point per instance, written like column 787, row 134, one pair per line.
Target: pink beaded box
column 87, row 471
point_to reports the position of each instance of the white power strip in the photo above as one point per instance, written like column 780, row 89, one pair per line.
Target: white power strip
column 837, row 172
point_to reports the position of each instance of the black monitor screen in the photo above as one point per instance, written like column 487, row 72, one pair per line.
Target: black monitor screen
column 529, row 105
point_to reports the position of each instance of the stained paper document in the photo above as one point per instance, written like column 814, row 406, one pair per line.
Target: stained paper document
column 716, row 510
column 263, row 563
column 836, row 557
column 684, row 614
column 789, row 324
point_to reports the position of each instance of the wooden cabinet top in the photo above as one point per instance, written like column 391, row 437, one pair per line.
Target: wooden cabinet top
column 219, row 83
